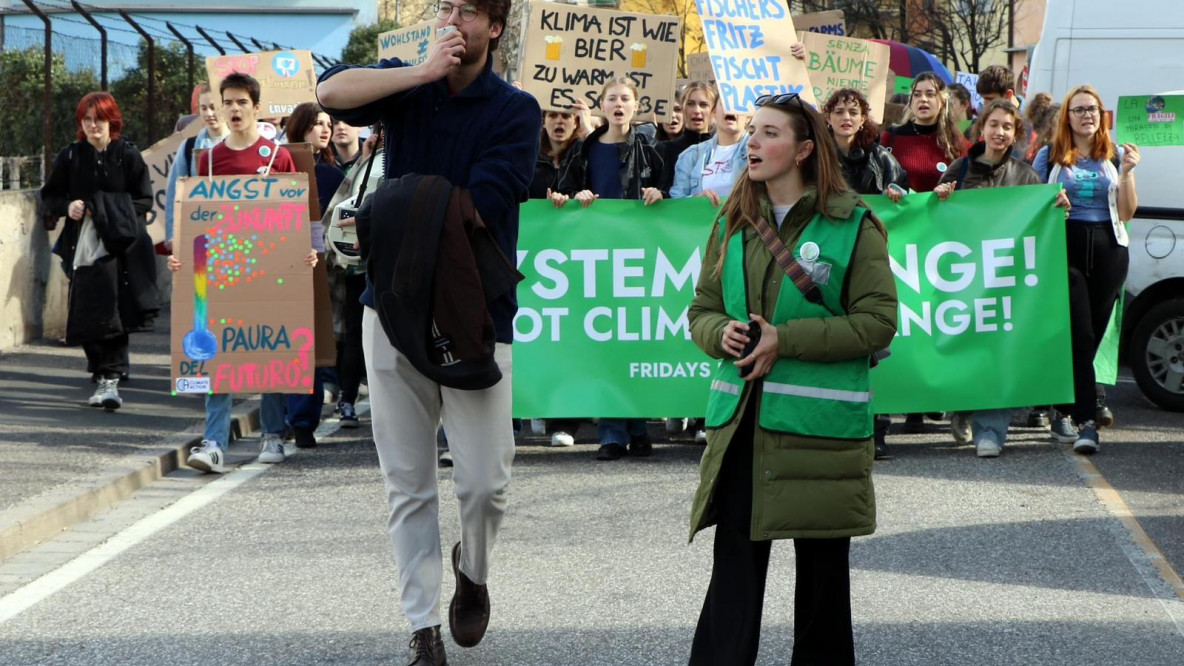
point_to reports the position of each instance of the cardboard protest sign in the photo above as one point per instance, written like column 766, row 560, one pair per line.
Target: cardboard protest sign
column 750, row 45
column 842, row 62
column 971, row 83
column 287, row 78
column 410, row 44
column 699, row 67
column 571, row 52
column 242, row 315
column 824, row 23
column 1151, row 120
column 159, row 158
column 326, row 347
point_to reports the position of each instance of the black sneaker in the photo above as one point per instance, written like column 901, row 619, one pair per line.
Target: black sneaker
column 1103, row 416
column 304, row 438
column 346, row 416
column 1064, row 431
column 1087, row 439
column 881, row 437
column 913, row 424
column 427, row 648
column 640, row 446
column 611, row 452
column 1038, row 418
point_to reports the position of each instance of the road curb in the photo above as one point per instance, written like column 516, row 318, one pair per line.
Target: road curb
column 43, row 517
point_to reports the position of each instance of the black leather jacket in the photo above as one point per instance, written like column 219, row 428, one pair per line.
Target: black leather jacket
column 872, row 171
column 561, row 179
column 641, row 165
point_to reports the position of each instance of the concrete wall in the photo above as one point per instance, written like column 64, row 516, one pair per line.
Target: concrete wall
column 32, row 286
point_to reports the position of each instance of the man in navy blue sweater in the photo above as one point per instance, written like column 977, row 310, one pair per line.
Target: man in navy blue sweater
column 449, row 116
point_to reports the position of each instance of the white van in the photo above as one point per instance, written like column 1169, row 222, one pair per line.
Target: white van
column 1124, row 50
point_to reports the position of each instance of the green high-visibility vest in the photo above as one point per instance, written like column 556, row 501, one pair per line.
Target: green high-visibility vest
column 805, row 398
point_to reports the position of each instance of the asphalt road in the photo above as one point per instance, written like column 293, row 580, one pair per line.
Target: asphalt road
column 1008, row 561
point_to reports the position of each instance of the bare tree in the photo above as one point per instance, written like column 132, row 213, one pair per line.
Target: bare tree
column 970, row 29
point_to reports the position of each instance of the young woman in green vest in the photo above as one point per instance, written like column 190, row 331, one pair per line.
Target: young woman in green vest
column 789, row 439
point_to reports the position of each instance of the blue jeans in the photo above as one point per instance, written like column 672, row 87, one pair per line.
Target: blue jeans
column 271, row 416
column 618, row 431
column 992, row 420
column 304, row 410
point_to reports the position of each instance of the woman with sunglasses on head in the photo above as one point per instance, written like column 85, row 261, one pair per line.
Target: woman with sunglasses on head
column 1099, row 178
column 789, row 451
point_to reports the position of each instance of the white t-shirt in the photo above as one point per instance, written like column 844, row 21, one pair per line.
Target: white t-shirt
column 779, row 212
column 717, row 173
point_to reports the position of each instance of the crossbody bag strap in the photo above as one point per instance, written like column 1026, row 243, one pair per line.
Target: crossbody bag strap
column 798, row 275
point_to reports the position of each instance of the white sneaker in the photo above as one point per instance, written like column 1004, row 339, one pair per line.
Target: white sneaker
column 96, row 399
column 676, row 426
column 538, row 426
column 562, row 439
column 986, row 446
column 110, row 399
column 700, row 436
column 960, row 428
column 272, row 450
column 207, row 457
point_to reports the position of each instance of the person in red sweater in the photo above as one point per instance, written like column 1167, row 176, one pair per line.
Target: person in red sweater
column 929, row 140
column 925, row 145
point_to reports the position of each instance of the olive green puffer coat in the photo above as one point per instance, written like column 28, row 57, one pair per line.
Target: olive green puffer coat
column 803, row 487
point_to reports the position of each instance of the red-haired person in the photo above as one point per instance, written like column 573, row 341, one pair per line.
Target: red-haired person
column 114, row 294
column 1100, row 180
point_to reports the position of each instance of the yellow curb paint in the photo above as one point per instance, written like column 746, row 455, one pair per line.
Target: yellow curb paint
column 1118, row 507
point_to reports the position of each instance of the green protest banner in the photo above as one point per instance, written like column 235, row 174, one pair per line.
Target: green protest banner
column 903, row 85
column 983, row 318
column 1151, row 120
column 603, row 327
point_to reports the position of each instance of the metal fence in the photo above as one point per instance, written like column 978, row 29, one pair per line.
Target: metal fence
column 44, row 72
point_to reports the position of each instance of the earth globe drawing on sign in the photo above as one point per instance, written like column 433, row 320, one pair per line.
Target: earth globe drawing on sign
column 286, row 64
column 1156, row 104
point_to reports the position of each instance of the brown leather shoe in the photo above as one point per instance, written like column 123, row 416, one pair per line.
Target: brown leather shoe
column 468, row 614
column 427, row 648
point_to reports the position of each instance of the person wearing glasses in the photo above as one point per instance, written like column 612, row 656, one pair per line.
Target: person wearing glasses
column 1100, row 180
column 449, row 116
column 789, row 418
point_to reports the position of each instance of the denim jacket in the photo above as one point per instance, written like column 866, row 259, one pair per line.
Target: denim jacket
column 688, row 171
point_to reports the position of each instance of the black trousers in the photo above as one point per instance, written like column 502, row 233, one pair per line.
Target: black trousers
column 729, row 626
column 351, row 361
column 107, row 358
column 1097, row 271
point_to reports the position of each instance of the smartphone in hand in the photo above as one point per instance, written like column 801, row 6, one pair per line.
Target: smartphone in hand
column 754, row 338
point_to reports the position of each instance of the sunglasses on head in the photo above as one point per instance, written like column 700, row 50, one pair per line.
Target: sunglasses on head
column 784, row 100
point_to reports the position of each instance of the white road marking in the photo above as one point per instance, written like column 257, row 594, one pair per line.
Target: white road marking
column 24, row 598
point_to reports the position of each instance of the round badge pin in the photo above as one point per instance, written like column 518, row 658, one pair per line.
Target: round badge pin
column 264, row 151
column 811, row 251
column 941, row 167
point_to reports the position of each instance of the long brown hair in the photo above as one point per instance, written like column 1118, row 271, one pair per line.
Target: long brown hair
column 820, row 170
column 869, row 135
column 1064, row 150
column 948, row 136
column 303, row 117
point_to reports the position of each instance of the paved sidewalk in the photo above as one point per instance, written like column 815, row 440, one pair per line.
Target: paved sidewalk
column 56, row 452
